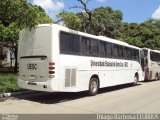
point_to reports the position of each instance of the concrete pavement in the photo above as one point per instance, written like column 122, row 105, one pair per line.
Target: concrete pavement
column 144, row 98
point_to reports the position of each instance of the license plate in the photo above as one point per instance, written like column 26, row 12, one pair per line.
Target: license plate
column 32, row 77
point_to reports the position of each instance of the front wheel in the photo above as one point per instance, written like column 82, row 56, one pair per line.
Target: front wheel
column 93, row 86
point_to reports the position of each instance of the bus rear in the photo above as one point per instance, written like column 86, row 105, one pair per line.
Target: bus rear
column 36, row 69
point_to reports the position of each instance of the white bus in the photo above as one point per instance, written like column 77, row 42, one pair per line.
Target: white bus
column 54, row 58
column 152, row 64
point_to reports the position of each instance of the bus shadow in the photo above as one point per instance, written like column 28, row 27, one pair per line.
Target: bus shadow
column 116, row 88
column 148, row 81
column 52, row 98
column 59, row 97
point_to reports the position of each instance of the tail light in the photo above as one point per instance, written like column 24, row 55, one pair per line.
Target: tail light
column 51, row 69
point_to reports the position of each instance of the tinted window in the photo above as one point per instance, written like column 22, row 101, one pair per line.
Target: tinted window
column 135, row 54
column 69, row 43
column 120, row 51
column 130, row 53
column 127, row 53
column 89, row 46
column 109, row 50
column 155, row 56
column 72, row 44
column 94, row 47
column 102, row 48
column 85, row 46
column 64, row 43
column 115, row 51
column 75, row 44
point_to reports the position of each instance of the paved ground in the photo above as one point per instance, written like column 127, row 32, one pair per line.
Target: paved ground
column 144, row 98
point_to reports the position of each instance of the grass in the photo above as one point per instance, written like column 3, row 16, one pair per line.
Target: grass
column 8, row 83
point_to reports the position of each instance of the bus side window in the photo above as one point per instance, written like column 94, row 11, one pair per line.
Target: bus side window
column 69, row 43
column 102, row 48
column 115, row 51
column 120, row 51
column 109, row 49
column 135, row 54
column 75, row 44
column 125, row 55
column 64, row 42
column 129, row 53
column 94, row 47
column 85, row 46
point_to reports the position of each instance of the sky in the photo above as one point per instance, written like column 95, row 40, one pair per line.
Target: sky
column 134, row 11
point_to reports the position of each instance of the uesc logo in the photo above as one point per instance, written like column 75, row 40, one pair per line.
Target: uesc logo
column 32, row 66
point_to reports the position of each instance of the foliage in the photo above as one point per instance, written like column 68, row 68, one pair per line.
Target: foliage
column 8, row 83
column 108, row 22
column 104, row 21
column 70, row 20
column 9, row 34
column 142, row 35
column 22, row 13
column 16, row 15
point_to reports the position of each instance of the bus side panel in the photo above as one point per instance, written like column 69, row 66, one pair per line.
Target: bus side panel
column 73, row 77
column 85, row 69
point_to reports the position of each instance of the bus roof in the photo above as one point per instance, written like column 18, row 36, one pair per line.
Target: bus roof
column 65, row 29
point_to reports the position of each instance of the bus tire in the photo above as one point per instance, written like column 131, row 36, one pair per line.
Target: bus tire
column 93, row 86
column 157, row 77
column 136, row 79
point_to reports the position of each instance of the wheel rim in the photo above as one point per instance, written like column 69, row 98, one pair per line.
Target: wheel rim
column 93, row 86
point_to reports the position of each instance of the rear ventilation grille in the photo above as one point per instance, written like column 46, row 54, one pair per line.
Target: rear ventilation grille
column 70, row 77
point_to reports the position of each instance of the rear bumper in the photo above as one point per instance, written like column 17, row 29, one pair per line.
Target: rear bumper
column 48, row 86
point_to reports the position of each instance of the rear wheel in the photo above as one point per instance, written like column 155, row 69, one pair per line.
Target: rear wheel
column 157, row 77
column 93, row 86
column 136, row 78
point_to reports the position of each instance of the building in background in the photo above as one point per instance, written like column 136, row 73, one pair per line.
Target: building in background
column 7, row 58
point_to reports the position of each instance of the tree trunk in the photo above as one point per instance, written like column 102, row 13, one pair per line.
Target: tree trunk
column 15, row 54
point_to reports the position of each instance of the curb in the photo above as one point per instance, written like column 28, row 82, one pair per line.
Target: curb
column 5, row 95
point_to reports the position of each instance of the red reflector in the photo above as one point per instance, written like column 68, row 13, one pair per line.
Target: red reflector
column 51, row 63
column 51, row 68
column 51, row 72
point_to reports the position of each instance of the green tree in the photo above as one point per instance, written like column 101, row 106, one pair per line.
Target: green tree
column 108, row 22
column 69, row 19
column 16, row 15
column 104, row 21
